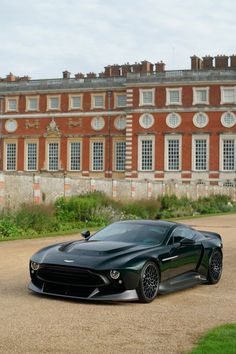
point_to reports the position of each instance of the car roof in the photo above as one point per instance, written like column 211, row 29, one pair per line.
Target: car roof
column 151, row 222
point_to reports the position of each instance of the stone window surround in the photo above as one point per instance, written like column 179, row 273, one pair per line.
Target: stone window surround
column 69, row 141
column 200, row 137
column 195, row 90
column 26, row 142
column 49, row 108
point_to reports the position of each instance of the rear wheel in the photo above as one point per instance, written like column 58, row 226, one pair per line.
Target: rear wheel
column 149, row 282
column 215, row 267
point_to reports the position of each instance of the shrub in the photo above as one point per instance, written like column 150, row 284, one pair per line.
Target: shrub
column 39, row 218
column 8, row 227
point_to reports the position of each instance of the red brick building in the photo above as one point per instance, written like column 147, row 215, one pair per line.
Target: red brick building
column 131, row 121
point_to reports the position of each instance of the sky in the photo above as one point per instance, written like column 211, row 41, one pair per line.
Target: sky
column 42, row 38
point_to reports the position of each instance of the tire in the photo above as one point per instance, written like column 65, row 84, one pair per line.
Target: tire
column 148, row 283
column 215, row 267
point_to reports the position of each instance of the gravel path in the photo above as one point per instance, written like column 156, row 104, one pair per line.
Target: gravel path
column 169, row 325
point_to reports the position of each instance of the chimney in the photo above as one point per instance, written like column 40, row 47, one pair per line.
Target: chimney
column 207, row 62
column 126, row 68
column 137, row 68
column 160, row 67
column 66, row 74
column 91, row 75
column 233, row 61
column 107, row 71
column 79, row 76
column 196, row 63
column 115, row 70
column 11, row 77
column 146, row 67
column 221, row 62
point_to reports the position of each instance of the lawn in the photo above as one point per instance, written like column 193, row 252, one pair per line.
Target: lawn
column 220, row 340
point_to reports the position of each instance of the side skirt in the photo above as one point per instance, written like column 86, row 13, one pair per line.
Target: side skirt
column 181, row 282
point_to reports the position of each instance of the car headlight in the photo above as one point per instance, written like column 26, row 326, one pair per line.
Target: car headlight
column 114, row 274
column 34, row 265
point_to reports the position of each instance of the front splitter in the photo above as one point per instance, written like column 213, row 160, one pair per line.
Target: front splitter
column 127, row 295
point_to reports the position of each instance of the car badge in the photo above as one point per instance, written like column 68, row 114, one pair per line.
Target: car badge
column 69, row 260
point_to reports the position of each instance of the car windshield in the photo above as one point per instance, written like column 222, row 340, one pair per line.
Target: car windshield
column 132, row 233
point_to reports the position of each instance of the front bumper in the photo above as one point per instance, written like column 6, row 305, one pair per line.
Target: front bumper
column 95, row 295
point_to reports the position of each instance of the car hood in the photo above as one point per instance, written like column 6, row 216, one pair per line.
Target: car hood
column 91, row 254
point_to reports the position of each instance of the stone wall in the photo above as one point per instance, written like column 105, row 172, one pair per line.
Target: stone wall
column 17, row 189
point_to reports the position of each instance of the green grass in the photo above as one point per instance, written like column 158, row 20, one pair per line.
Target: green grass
column 220, row 340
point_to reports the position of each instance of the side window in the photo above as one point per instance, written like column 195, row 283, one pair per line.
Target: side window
column 182, row 232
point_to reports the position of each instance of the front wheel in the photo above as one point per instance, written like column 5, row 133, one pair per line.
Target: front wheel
column 215, row 267
column 148, row 283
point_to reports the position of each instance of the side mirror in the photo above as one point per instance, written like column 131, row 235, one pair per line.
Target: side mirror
column 187, row 242
column 85, row 234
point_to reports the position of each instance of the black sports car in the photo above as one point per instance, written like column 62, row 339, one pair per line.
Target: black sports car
column 128, row 260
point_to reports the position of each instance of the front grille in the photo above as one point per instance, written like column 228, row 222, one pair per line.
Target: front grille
column 69, row 276
column 69, row 290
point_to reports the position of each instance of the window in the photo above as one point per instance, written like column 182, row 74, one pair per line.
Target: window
column 146, row 153
column 173, row 120
column 11, row 155
column 120, row 123
column 228, row 119
column 98, row 123
column 53, row 103
column 53, row 156
column 173, row 96
column 120, row 148
column 75, row 155
column 200, row 95
column 228, row 154
column 97, row 155
column 75, row 102
column 200, row 120
column 120, row 100
column 146, row 120
column 12, row 104
column 200, row 153
column 172, row 150
column 98, row 101
column 228, row 95
column 32, row 103
column 146, row 97
column 31, row 157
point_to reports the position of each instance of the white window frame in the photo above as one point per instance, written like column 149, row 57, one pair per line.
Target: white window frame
column 142, row 138
column 223, row 122
column 93, row 95
column 71, row 107
column 168, row 92
column 222, row 94
column 195, row 93
column 28, row 98
column 92, row 156
column 115, row 142
column 141, row 98
column 200, row 137
column 116, row 95
column 172, row 137
column 69, row 142
column 49, row 107
column 53, row 141
column 222, row 138
column 7, row 142
column 8, row 99
column 27, row 142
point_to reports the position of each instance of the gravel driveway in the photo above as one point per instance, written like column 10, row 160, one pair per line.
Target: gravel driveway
column 35, row 324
